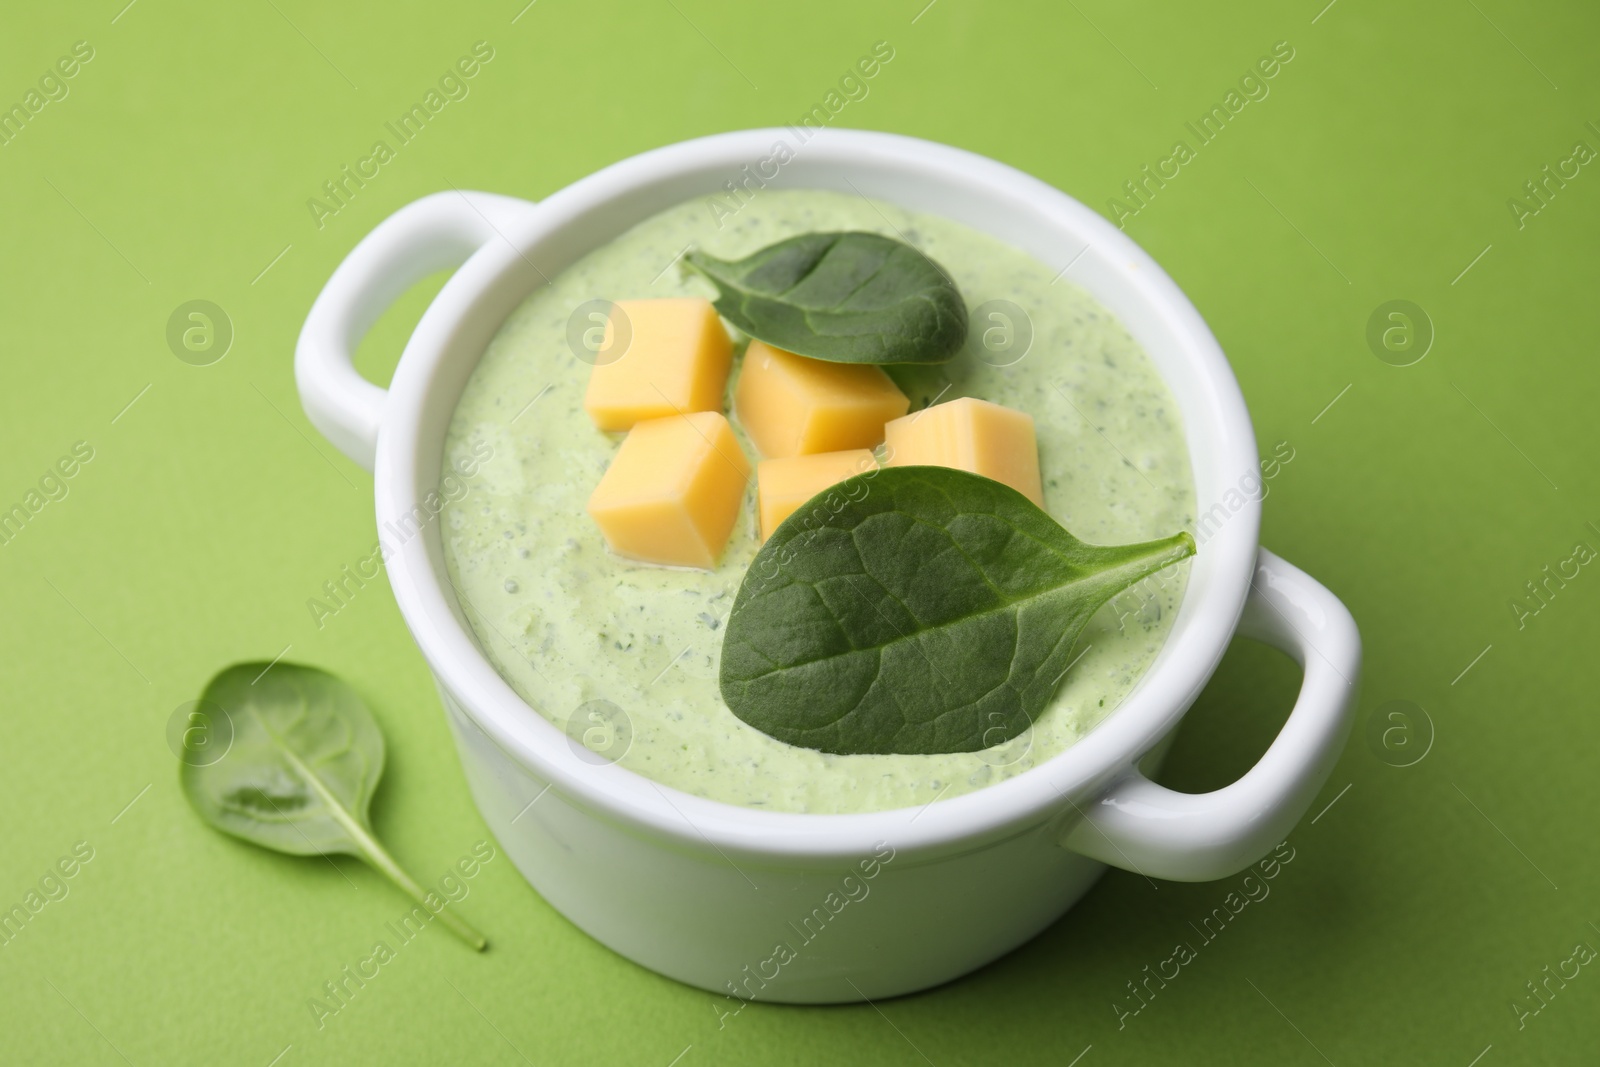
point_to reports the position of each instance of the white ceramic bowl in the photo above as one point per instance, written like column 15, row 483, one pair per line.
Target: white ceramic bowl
column 817, row 908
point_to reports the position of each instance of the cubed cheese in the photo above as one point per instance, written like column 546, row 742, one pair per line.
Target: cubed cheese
column 673, row 359
column 785, row 484
column 792, row 406
column 971, row 435
column 673, row 490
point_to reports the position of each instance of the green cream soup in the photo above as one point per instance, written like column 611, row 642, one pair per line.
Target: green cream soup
column 624, row 655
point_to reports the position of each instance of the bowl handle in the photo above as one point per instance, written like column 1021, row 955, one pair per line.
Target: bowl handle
column 1144, row 827
column 425, row 236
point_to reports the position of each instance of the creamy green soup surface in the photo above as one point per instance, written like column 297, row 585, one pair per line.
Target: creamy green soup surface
column 569, row 624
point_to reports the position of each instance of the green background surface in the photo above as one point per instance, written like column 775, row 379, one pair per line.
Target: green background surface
column 1379, row 167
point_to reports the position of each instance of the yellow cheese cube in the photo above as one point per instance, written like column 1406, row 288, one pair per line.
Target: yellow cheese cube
column 793, row 406
column 674, row 359
column 971, row 435
column 673, row 491
column 785, row 484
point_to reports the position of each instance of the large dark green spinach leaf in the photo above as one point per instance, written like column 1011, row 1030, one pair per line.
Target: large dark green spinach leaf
column 844, row 297
column 916, row 609
column 299, row 775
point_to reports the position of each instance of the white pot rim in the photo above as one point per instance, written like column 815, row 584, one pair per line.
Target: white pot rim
column 409, row 430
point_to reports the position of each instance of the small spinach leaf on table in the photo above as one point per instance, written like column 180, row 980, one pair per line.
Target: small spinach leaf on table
column 299, row 775
column 933, row 612
column 843, row 297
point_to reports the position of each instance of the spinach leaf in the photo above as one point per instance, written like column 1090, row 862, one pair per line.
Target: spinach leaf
column 844, row 297
column 299, row 776
column 916, row 609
